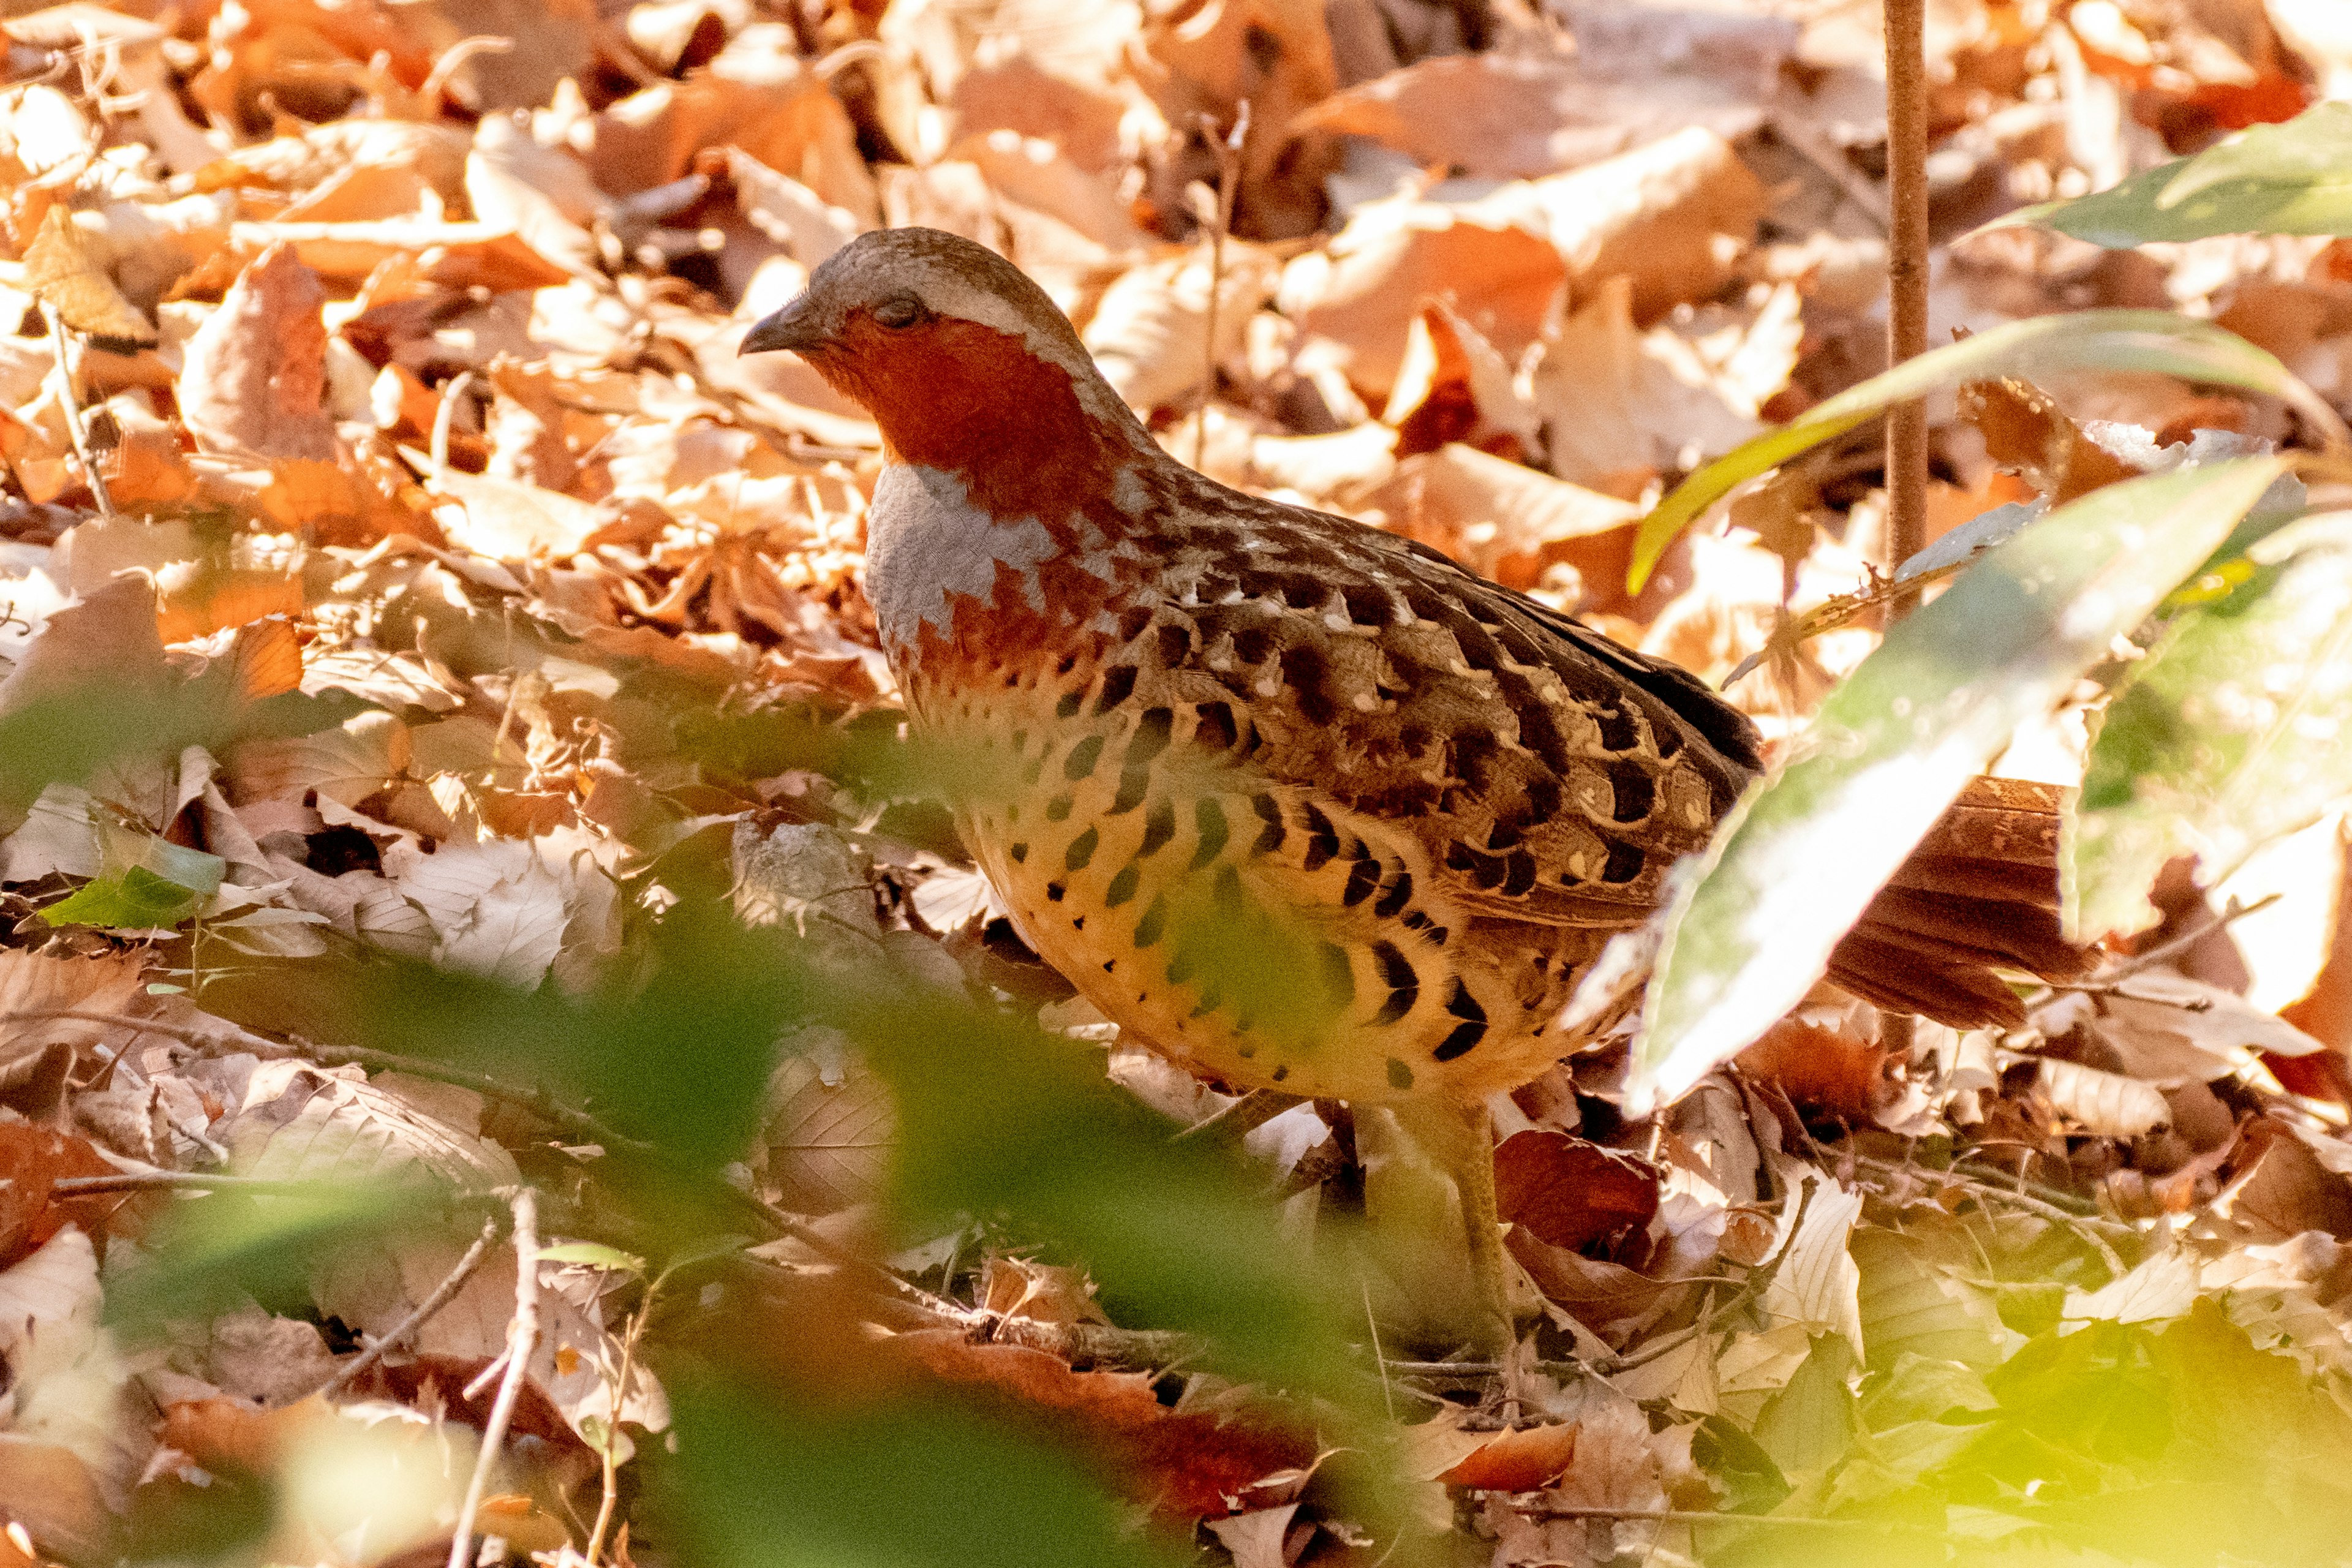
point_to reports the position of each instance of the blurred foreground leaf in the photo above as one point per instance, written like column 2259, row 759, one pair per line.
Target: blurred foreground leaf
column 993, row 1116
column 2035, row 349
column 2295, row 178
column 2236, row 730
column 1794, row 864
column 773, row 1483
column 207, row 1254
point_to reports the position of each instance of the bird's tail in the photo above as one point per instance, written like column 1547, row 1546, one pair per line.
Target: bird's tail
column 1978, row 895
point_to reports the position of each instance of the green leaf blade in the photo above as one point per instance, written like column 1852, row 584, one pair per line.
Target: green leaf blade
column 1800, row 858
column 2295, row 178
column 2036, row 347
column 2236, row 730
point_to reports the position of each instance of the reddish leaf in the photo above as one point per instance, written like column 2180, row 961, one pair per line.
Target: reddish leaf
column 1570, row 1193
column 1197, row 1463
column 31, row 1159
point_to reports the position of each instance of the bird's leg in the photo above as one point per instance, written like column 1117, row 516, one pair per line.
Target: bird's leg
column 1460, row 1141
column 1474, row 1177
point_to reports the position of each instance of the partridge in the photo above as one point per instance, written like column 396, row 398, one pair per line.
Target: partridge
column 1301, row 805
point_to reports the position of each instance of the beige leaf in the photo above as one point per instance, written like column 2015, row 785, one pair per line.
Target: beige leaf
column 544, row 194
column 256, row 380
column 59, row 267
column 1817, row 1284
column 507, row 519
column 110, row 628
column 2108, row 1104
column 1149, row 333
column 347, row 764
column 298, row 1123
column 1255, row 1539
column 1504, row 520
column 65, row 1380
column 32, row 985
column 1672, row 218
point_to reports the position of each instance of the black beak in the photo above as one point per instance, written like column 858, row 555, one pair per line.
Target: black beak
column 793, row 327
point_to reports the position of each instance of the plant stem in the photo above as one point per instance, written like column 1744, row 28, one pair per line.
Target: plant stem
column 1907, row 282
column 1907, row 326
column 522, row 1338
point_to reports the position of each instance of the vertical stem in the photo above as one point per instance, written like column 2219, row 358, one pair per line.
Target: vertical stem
column 522, row 1339
column 1906, row 280
column 1906, row 322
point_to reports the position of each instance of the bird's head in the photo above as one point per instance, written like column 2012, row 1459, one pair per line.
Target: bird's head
column 964, row 361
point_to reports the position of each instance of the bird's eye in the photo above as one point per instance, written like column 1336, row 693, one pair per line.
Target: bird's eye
column 900, row 311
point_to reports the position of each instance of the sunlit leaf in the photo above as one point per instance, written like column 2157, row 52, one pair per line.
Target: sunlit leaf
column 1794, row 864
column 2295, row 178
column 2036, row 348
column 2236, row 730
column 595, row 1255
column 135, row 898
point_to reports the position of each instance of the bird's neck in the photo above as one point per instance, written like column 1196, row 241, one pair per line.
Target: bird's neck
column 1024, row 435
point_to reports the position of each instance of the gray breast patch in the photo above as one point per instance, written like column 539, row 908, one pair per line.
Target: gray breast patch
column 925, row 541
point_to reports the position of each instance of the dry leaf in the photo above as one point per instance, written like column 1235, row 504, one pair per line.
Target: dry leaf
column 60, row 270
column 255, row 378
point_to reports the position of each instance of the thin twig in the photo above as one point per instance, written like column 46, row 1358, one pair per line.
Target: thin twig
column 610, row 1498
column 1228, row 149
column 70, row 403
column 1234, row 1122
column 522, row 1339
column 351, row 1370
column 2088, row 1226
column 2181, row 941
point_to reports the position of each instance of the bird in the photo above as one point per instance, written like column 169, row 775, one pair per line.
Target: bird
column 1305, row 806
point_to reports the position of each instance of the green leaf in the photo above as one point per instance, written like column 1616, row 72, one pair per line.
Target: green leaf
column 136, row 899
column 2235, row 731
column 1794, row 864
column 2295, row 178
column 596, row 1254
column 2037, row 347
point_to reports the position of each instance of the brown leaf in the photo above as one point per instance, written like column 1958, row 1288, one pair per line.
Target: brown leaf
column 31, row 1159
column 255, row 373
column 1823, row 1070
column 2025, row 431
column 1517, row 1461
column 1570, row 1193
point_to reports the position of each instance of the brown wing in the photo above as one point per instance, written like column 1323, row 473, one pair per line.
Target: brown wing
column 1551, row 776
